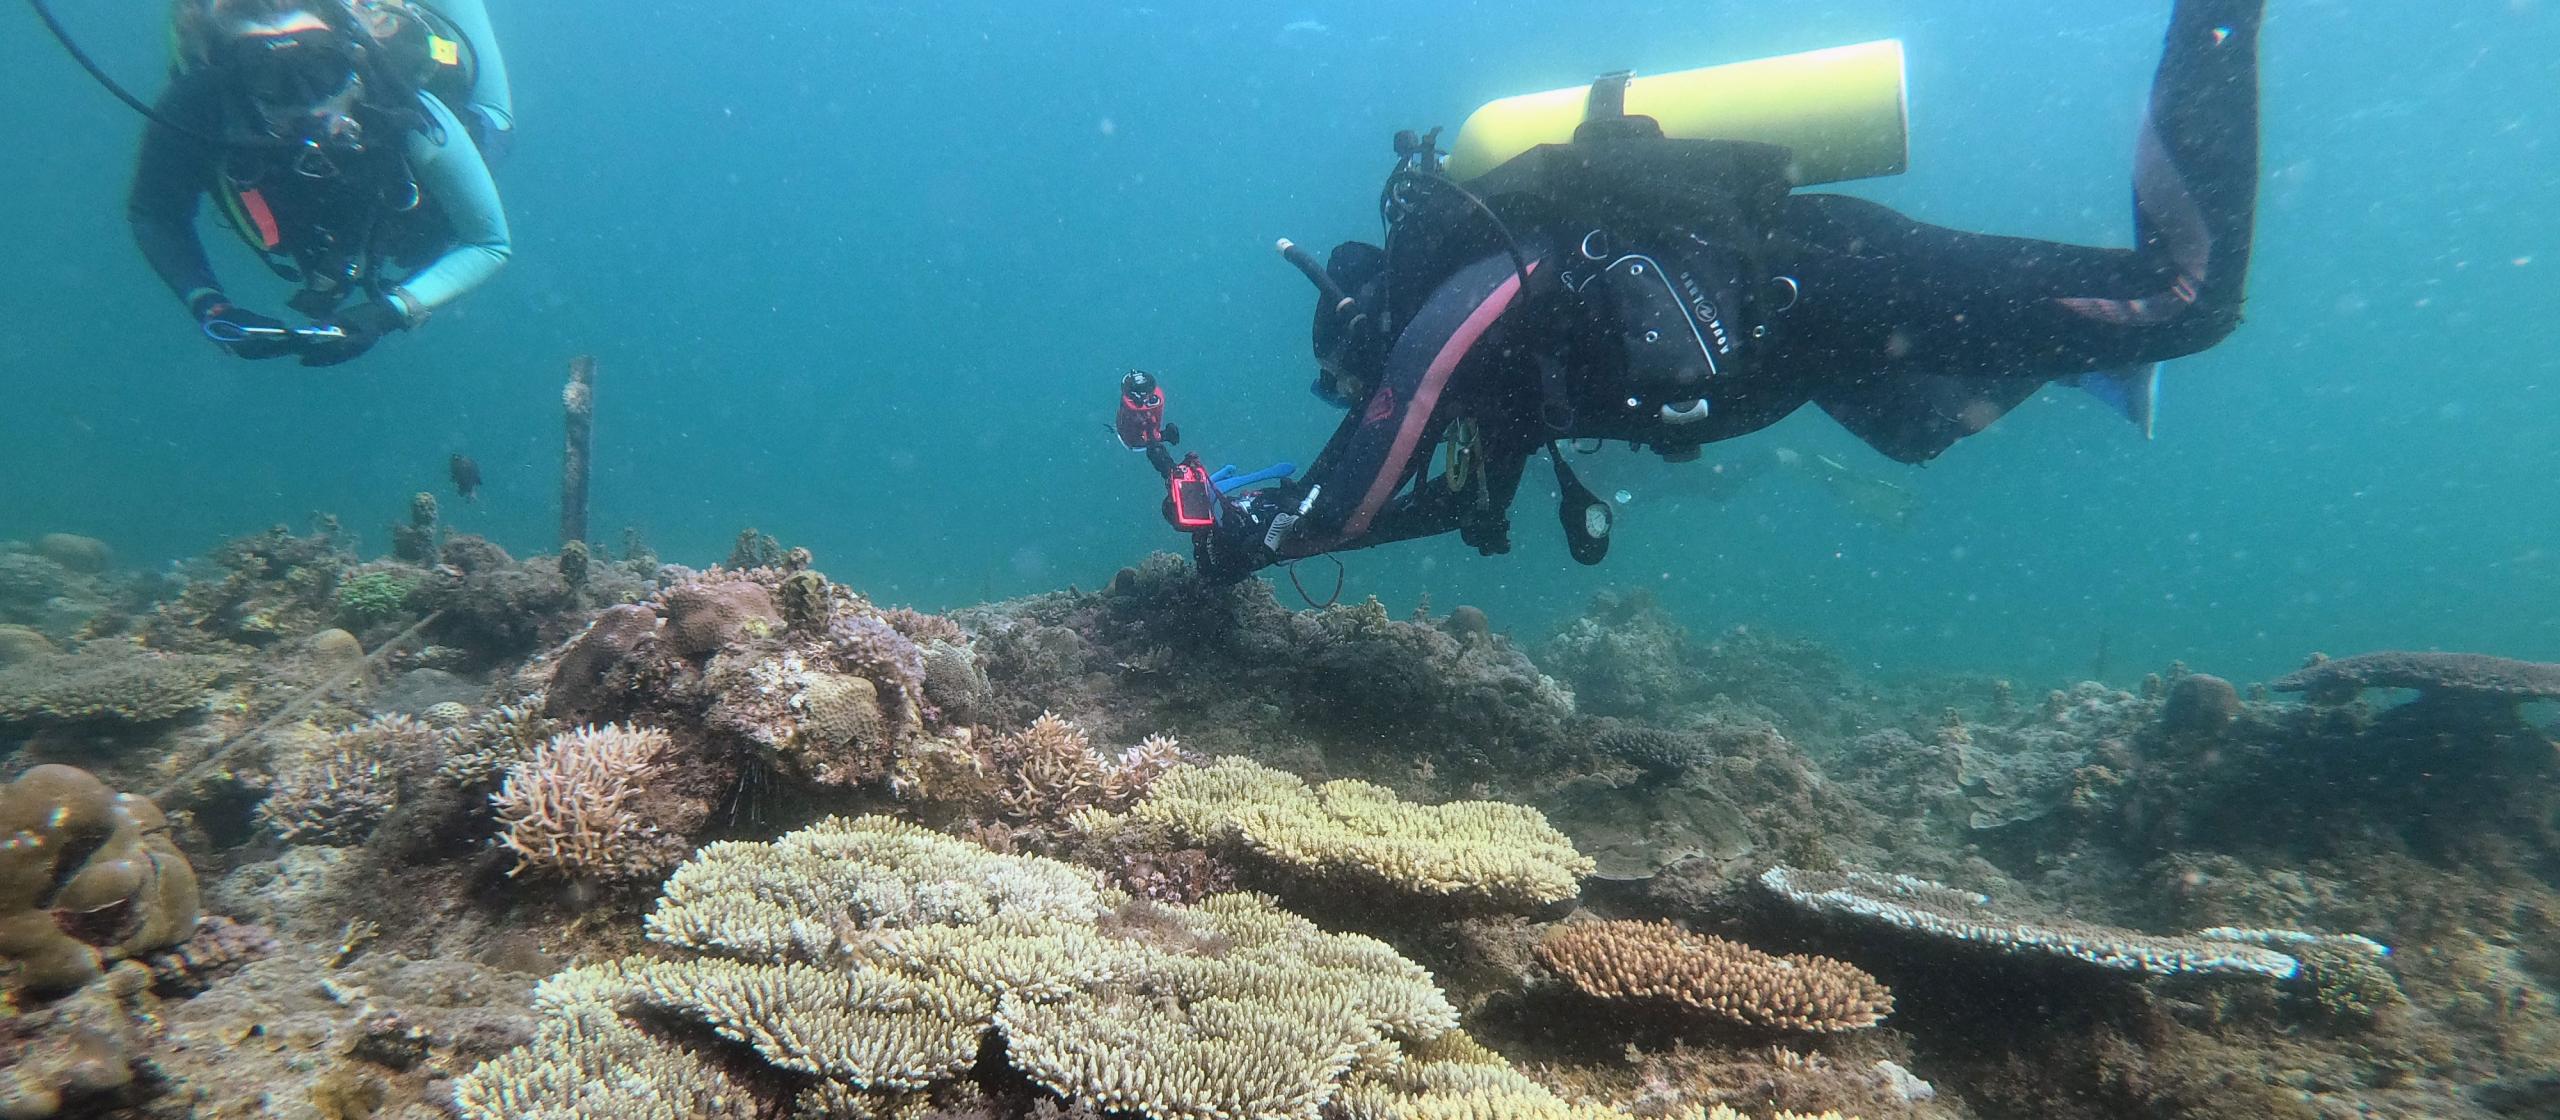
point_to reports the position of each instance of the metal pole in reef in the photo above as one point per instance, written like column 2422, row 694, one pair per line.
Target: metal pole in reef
column 579, row 399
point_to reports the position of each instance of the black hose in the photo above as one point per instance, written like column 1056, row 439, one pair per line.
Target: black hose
column 1510, row 244
column 44, row 12
column 1305, row 262
column 1437, row 181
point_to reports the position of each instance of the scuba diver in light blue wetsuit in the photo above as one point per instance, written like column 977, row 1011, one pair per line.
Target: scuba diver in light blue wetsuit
column 348, row 144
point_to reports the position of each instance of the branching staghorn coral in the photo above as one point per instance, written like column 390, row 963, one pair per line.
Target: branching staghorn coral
column 568, row 810
column 1453, row 1077
column 876, row 956
column 586, row 1062
column 336, row 790
column 1932, row 909
column 1659, row 963
column 1040, row 776
column 479, row 753
column 1351, row 833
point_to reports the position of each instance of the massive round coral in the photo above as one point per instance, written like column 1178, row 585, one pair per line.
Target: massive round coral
column 89, row 877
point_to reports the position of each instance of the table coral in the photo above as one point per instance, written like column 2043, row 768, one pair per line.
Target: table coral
column 1352, row 833
column 1935, row 910
column 878, row 956
column 101, row 685
column 2472, row 678
column 91, row 877
column 1659, row 963
column 756, row 899
column 588, row 1063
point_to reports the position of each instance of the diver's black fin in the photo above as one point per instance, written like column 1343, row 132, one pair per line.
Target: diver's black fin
column 2133, row 391
column 1913, row 418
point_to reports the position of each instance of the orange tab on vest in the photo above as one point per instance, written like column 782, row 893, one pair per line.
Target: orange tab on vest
column 254, row 204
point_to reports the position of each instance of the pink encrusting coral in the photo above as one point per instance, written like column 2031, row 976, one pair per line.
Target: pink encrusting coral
column 569, row 809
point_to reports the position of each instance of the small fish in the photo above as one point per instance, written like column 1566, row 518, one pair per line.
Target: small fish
column 466, row 477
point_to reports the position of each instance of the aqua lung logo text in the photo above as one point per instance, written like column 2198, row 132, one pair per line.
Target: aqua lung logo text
column 1702, row 310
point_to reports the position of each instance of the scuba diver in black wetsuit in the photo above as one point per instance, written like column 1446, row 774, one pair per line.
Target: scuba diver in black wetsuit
column 347, row 143
column 1676, row 292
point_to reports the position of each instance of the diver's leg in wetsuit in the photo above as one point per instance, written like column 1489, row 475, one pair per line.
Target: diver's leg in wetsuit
column 1902, row 322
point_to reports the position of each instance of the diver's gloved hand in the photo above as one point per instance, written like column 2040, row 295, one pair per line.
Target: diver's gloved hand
column 245, row 333
column 1234, row 549
column 1490, row 536
column 363, row 325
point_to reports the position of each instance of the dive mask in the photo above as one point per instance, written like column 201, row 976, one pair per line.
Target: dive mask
column 303, row 80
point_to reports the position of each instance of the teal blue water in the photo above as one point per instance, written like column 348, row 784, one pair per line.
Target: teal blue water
column 863, row 277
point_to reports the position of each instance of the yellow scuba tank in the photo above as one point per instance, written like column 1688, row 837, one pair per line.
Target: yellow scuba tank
column 1842, row 111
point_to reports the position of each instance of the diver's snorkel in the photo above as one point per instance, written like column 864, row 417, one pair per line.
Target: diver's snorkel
column 1305, row 263
column 1341, row 319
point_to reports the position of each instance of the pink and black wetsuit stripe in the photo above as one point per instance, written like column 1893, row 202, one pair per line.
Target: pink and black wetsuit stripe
column 1389, row 438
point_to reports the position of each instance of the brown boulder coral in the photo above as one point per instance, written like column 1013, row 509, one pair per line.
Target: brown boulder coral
column 706, row 615
column 88, row 556
column 91, row 878
column 1661, row 964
